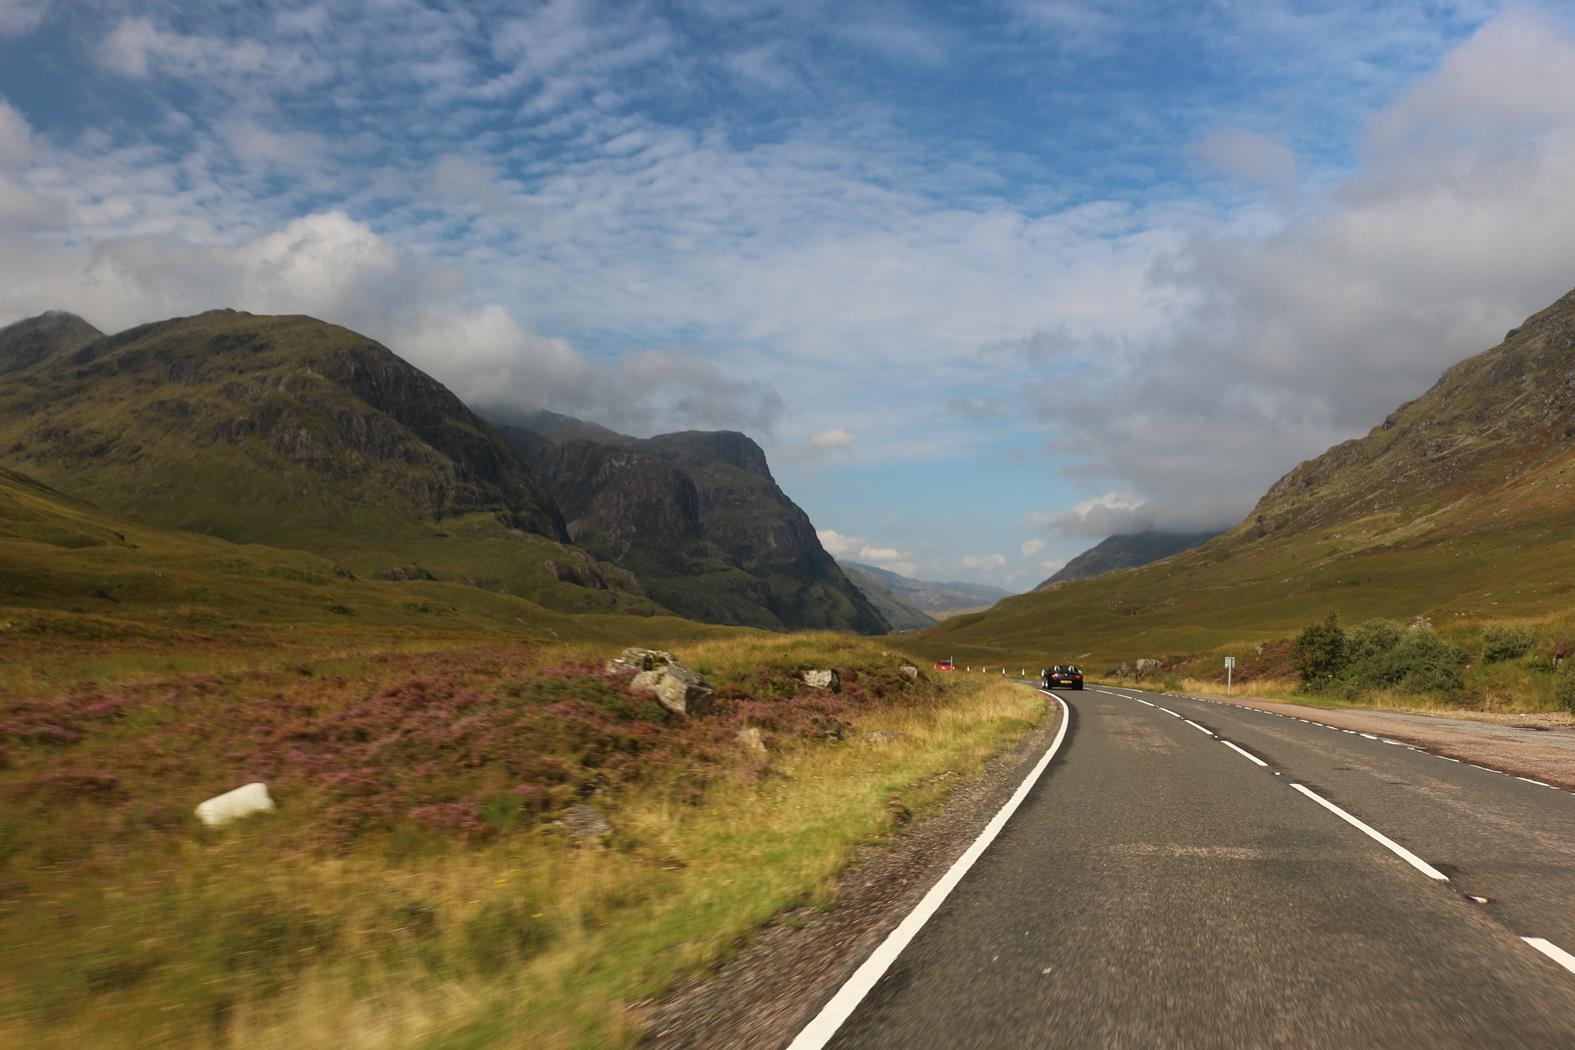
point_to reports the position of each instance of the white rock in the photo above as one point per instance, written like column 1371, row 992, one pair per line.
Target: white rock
column 233, row 805
column 824, row 679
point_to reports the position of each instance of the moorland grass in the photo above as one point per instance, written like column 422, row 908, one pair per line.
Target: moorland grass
column 460, row 913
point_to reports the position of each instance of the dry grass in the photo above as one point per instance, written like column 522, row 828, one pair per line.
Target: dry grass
column 123, row 925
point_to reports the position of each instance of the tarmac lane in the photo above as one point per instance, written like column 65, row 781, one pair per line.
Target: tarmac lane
column 1159, row 887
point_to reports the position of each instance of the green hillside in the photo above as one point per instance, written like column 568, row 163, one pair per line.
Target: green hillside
column 294, row 433
column 84, row 591
column 1459, row 507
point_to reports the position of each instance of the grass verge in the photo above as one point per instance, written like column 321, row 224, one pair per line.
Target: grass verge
column 417, row 886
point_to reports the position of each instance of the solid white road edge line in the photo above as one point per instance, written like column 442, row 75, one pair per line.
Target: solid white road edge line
column 1552, row 951
column 1248, row 755
column 819, row 1031
column 1377, row 836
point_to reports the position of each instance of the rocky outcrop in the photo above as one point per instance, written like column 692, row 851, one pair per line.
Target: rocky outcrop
column 827, row 678
column 680, row 690
column 635, row 660
column 699, row 519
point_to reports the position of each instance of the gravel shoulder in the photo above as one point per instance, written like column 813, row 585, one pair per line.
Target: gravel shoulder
column 1537, row 746
column 776, row 982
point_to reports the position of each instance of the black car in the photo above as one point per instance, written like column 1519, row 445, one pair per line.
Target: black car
column 1061, row 676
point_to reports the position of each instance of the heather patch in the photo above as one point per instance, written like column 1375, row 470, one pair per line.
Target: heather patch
column 420, row 875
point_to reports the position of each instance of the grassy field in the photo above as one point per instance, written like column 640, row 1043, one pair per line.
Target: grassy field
column 1501, row 559
column 416, row 886
column 425, row 741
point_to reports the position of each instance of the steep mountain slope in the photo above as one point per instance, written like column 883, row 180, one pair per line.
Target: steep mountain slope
column 1460, row 506
column 29, row 341
column 1125, row 551
column 294, row 433
column 935, row 600
column 699, row 518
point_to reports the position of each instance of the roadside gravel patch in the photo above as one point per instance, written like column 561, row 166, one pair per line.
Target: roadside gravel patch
column 763, row 995
column 1538, row 746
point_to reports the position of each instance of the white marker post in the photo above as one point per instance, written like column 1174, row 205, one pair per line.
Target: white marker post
column 1230, row 666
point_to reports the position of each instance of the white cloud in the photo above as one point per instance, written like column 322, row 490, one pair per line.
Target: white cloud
column 1246, row 155
column 856, row 548
column 1107, row 513
column 1285, row 340
column 1052, row 565
column 830, row 439
column 21, row 16
column 138, row 48
column 983, row 561
column 837, row 545
column 16, row 137
column 1032, row 547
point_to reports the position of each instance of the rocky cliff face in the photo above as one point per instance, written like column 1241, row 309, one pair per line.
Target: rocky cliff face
column 699, row 518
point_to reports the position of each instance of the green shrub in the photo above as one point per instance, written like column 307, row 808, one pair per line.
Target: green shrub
column 1320, row 651
column 1422, row 663
column 1564, row 691
column 1378, row 654
column 1372, row 640
column 1506, row 643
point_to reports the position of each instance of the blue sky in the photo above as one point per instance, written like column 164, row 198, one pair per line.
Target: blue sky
column 989, row 281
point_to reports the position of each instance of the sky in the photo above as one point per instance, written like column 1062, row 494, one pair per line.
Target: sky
column 988, row 281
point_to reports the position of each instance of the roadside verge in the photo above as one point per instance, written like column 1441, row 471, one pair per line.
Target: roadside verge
column 775, row 985
column 1521, row 746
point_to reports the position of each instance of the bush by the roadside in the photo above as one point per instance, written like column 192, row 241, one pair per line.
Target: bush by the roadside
column 1320, row 651
column 1377, row 654
column 1506, row 642
column 1564, row 691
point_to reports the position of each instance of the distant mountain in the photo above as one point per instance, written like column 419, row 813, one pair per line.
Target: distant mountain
column 557, row 428
column 899, row 612
column 699, row 519
column 1126, row 551
column 1459, row 507
column 290, row 432
column 936, row 600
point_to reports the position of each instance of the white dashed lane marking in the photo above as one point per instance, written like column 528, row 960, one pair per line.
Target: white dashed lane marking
column 1377, row 836
column 1248, row 755
column 1552, row 951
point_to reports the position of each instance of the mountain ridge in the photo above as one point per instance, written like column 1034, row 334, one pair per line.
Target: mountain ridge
column 289, row 431
column 1127, row 550
column 699, row 517
column 1458, row 508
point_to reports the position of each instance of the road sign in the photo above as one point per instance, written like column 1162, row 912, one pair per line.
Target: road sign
column 1230, row 667
column 1230, row 661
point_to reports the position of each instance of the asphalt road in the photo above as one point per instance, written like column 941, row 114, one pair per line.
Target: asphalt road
column 1159, row 887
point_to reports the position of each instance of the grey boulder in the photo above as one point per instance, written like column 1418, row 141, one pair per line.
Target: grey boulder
column 677, row 688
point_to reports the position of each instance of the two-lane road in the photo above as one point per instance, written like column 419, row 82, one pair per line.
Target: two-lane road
column 1187, row 873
